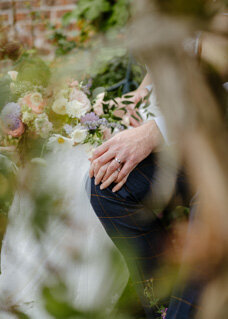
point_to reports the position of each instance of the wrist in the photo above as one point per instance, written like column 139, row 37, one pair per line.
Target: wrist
column 154, row 137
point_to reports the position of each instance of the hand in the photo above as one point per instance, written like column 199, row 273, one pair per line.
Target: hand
column 130, row 147
column 131, row 114
column 137, row 95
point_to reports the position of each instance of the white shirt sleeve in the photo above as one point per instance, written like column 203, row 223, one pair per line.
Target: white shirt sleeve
column 160, row 121
column 159, row 118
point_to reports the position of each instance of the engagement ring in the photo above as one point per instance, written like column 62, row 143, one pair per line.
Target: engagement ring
column 118, row 161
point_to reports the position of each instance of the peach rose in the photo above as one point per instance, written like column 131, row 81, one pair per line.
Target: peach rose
column 17, row 132
column 34, row 101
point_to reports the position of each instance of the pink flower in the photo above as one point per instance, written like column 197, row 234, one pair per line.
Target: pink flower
column 74, row 84
column 164, row 313
column 97, row 107
column 18, row 131
column 34, row 101
column 107, row 133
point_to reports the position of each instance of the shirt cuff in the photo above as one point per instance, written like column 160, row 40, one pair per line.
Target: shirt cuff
column 160, row 121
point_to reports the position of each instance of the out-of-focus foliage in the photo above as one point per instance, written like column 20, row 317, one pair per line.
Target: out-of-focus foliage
column 90, row 19
column 102, row 14
column 9, row 49
column 113, row 75
column 5, row 92
column 33, row 70
column 8, row 172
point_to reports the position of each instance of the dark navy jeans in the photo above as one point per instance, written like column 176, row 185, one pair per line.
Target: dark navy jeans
column 140, row 235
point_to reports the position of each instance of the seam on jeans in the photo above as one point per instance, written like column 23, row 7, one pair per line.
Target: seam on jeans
column 150, row 257
column 153, row 230
column 122, row 216
column 186, row 302
column 109, row 197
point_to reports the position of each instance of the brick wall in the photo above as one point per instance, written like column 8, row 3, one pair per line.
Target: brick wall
column 25, row 20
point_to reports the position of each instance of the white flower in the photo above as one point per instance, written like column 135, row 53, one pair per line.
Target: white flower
column 126, row 120
column 75, row 109
column 57, row 142
column 13, row 75
column 63, row 93
column 68, row 128
column 59, row 106
column 42, row 125
column 79, row 134
column 39, row 161
column 78, row 105
column 27, row 117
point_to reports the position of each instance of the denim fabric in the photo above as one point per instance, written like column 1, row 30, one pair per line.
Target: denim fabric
column 139, row 233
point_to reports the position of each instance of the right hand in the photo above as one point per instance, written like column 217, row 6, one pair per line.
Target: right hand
column 137, row 95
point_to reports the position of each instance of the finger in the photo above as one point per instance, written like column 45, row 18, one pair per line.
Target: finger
column 134, row 122
column 109, row 181
column 101, row 173
column 91, row 170
column 102, row 160
column 120, row 184
column 126, row 169
column 100, row 150
column 114, row 165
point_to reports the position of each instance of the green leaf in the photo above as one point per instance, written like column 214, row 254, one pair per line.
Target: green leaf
column 116, row 118
column 134, row 117
column 138, row 104
column 127, row 102
column 128, row 96
column 139, row 114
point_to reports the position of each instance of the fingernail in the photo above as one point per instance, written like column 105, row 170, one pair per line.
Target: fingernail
column 96, row 183
column 113, row 190
column 101, row 187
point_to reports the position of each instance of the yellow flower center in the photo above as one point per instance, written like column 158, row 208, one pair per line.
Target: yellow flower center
column 61, row 140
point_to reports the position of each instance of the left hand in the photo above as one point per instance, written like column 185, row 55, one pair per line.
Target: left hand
column 129, row 147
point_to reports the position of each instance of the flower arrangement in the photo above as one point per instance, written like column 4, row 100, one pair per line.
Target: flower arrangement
column 67, row 115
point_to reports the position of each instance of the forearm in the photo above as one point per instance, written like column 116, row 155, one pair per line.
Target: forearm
column 146, row 81
column 153, row 135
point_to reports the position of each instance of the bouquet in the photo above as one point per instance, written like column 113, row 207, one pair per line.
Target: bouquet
column 68, row 115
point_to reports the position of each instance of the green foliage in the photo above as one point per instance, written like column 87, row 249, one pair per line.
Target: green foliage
column 111, row 72
column 63, row 44
column 7, row 189
column 56, row 304
column 5, row 93
column 91, row 9
column 33, row 70
column 102, row 14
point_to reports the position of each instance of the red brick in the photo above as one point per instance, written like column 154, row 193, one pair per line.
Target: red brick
column 5, row 5
column 59, row 2
column 4, row 17
column 60, row 13
column 27, row 4
column 22, row 16
column 45, row 14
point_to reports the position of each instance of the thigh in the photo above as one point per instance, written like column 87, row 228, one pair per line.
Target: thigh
column 125, row 218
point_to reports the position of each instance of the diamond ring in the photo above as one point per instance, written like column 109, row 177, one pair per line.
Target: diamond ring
column 117, row 160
